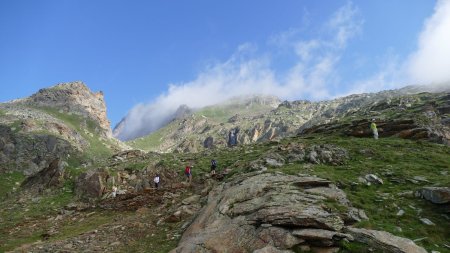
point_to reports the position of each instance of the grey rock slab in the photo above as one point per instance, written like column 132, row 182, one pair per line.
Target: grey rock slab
column 255, row 210
column 384, row 241
column 373, row 179
column 271, row 249
column 427, row 221
column 437, row 195
column 319, row 234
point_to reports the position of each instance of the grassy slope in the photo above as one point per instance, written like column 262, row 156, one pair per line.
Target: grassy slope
column 97, row 148
column 400, row 159
column 51, row 202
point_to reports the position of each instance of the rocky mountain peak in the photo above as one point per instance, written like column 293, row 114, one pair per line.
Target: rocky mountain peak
column 74, row 97
column 249, row 100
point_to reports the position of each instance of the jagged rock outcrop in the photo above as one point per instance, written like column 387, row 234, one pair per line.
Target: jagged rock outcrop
column 30, row 154
column 91, row 184
column 52, row 176
column 256, row 210
column 56, row 122
column 77, row 98
column 274, row 212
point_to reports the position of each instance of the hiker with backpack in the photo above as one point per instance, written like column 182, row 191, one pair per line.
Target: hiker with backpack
column 374, row 129
column 213, row 167
column 156, row 181
column 188, row 173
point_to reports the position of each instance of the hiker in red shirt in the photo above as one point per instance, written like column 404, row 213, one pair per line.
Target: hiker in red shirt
column 188, row 173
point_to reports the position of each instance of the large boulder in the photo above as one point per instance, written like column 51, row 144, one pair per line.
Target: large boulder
column 256, row 210
column 51, row 176
column 209, row 142
column 91, row 184
column 436, row 195
column 384, row 241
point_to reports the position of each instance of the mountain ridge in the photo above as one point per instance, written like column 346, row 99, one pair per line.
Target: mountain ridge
column 205, row 130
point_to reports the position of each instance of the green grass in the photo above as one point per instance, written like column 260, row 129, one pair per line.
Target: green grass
column 221, row 113
column 150, row 142
column 97, row 148
column 2, row 113
column 157, row 242
column 8, row 181
column 389, row 158
column 74, row 228
column 404, row 159
column 20, row 215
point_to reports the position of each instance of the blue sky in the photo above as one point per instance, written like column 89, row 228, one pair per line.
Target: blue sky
column 159, row 54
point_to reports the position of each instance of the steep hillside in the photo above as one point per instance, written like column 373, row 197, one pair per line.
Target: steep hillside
column 56, row 122
column 324, row 185
column 190, row 133
column 227, row 125
column 301, row 194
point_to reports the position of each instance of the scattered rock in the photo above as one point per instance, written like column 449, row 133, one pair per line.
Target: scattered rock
column 427, row 222
column 421, row 179
column 373, row 179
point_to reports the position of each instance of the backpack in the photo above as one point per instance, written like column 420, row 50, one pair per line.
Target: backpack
column 213, row 163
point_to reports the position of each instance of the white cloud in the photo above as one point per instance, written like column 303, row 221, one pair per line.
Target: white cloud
column 346, row 22
column 431, row 62
column 249, row 72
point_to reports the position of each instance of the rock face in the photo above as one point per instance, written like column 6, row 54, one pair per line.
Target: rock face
column 405, row 113
column 407, row 129
column 66, row 119
column 209, row 142
column 30, row 154
column 283, row 211
column 91, row 184
column 436, row 195
column 384, row 241
column 233, row 137
column 74, row 97
column 52, row 176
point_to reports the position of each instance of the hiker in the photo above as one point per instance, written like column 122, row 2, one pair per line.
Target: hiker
column 373, row 126
column 213, row 167
column 114, row 191
column 156, row 181
column 188, row 173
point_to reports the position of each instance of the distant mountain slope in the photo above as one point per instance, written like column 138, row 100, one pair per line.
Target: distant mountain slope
column 230, row 123
column 54, row 122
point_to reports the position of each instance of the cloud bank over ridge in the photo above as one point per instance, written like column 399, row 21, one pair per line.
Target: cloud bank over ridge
column 312, row 72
